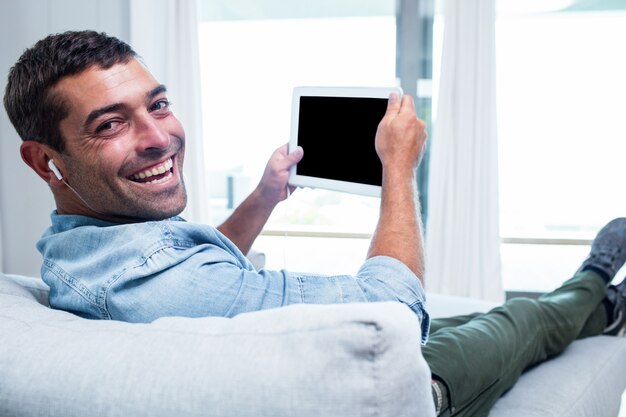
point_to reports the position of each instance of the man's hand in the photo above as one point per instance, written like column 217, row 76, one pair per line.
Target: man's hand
column 401, row 136
column 247, row 221
column 273, row 186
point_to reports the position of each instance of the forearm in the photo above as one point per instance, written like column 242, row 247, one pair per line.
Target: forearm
column 398, row 233
column 400, row 142
column 247, row 221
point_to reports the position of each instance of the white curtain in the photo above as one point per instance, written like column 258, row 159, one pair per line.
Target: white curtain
column 462, row 236
column 1, row 251
column 165, row 34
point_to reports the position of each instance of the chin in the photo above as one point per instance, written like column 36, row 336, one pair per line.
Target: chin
column 167, row 214
column 150, row 213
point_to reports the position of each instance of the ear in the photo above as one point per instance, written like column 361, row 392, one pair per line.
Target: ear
column 36, row 155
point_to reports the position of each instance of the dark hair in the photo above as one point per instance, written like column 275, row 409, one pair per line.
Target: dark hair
column 34, row 109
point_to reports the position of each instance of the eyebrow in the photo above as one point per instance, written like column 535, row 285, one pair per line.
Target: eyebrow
column 117, row 106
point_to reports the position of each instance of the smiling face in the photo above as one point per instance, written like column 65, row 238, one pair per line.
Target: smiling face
column 124, row 148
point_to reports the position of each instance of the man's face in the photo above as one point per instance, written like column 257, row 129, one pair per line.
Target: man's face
column 124, row 146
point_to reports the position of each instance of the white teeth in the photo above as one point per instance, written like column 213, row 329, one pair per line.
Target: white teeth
column 160, row 169
column 167, row 177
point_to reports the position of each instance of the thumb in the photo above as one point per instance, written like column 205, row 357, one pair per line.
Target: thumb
column 295, row 156
column 393, row 105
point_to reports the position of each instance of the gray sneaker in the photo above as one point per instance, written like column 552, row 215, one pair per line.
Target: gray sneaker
column 608, row 250
column 615, row 302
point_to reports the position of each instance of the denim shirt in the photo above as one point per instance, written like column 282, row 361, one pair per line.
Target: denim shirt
column 138, row 272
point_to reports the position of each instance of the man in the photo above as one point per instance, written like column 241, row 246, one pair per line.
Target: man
column 98, row 128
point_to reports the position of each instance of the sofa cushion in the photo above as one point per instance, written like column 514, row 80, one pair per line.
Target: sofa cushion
column 587, row 380
column 302, row 360
column 23, row 286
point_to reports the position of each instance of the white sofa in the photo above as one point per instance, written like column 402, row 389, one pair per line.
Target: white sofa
column 305, row 360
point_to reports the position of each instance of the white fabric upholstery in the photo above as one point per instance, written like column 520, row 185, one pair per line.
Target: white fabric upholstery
column 587, row 380
column 303, row 360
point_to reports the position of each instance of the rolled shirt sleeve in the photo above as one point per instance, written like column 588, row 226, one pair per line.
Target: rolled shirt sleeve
column 380, row 278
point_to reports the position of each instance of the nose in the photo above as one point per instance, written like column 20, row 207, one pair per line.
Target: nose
column 151, row 135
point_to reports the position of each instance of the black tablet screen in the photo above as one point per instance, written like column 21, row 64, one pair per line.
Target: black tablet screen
column 337, row 135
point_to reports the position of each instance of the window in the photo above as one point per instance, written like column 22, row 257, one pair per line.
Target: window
column 560, row 83
column 561, row 86
column 259, row 64
column 252, row 54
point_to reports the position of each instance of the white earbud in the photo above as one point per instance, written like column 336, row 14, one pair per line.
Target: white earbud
column 55, row 170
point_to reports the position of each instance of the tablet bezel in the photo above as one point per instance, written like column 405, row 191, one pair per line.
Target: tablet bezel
column 325, row 183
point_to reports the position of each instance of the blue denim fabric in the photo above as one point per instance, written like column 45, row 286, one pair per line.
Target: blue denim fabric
column 138, row 272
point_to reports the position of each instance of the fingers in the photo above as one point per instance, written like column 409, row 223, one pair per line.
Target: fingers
column 397, row 106
column 408, row 109
column 407, row 105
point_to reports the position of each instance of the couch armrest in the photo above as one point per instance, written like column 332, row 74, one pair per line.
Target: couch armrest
column 302, row 360
column 587, row 380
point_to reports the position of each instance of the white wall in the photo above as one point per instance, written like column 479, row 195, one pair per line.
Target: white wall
column 25, row 201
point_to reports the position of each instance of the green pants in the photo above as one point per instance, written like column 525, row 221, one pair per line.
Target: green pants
column 478, row 357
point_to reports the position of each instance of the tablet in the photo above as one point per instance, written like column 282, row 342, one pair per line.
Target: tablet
column 336, row 127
